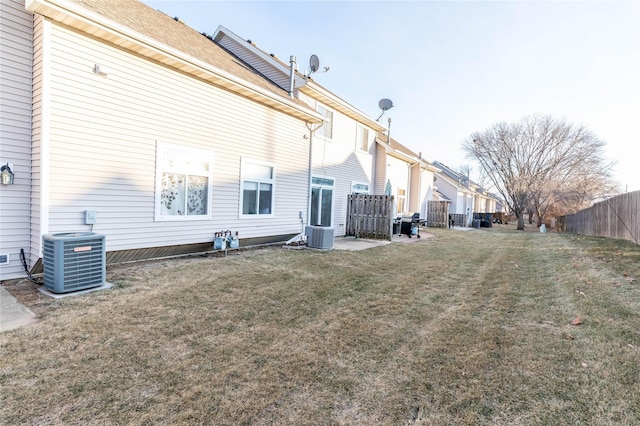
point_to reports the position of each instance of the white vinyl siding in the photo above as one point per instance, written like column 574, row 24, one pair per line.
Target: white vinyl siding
column 398, row 174
column 426, row 191
column 449, row 189
column 336, row 158
column 15, row 133
column 103, row 133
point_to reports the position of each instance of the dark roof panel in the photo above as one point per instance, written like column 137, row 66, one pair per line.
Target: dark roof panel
column 175, row 34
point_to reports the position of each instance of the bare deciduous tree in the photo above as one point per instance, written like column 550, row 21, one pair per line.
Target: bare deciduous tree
column 539, row 161
column 476, row 175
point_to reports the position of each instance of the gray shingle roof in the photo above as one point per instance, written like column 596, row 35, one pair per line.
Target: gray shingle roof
column 175, row 34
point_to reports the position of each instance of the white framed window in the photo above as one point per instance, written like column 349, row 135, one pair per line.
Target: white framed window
column 362, row 138
column 322, row 189
column 327, row 129
column 402, row 199
column 183, row 183
column 257, row 188
column 359, row 187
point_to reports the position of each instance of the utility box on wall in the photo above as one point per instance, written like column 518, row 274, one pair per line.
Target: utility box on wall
column 73, row 261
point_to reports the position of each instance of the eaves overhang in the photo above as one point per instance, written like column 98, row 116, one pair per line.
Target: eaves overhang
column 431, row 167
column 322, row 95
column 390, row 150
column 75, row 16
column 408, row 158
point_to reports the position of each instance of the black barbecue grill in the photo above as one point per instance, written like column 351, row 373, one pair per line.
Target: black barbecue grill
column 410, row 224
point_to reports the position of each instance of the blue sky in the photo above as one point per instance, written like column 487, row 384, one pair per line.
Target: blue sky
column 452, row 68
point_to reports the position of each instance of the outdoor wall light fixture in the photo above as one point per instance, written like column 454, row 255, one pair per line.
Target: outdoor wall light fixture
column 100, row 70
column 7, row 174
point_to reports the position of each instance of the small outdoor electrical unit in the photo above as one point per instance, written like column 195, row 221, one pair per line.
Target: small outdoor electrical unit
column 73, row 261
column 319, row 237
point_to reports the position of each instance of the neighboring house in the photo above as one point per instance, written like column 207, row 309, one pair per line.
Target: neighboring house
column 167, row 136
column 466, row 196
column 342, row 148
column 410, row 177
column 439, row 196
column 485, row 202
column 458, row 189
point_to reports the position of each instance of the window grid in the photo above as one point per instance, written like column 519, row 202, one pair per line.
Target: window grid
column 182, row 183
column 362, row 138
column 322, row 201
column 257, row 189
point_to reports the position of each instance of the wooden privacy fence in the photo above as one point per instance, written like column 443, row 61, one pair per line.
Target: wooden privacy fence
column 369, row 216
column 459, row 219
column 616, row 217
column 438, row 214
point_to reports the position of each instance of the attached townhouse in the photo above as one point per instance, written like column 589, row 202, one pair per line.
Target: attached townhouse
column 120, row 110
column 342, row 148
column 117, row 113
column 456, row 188
column 405, row 174
column 485, row 201
column 466, row 196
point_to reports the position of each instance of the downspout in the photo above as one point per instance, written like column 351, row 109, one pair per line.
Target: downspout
column 312, row 132
column 307, row 220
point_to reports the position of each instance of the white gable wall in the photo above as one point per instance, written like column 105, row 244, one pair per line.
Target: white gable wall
column 450, row 190
column 15, row 132
column 398, row 173
column 101, row 146
column 426, row 191
column 339, row 158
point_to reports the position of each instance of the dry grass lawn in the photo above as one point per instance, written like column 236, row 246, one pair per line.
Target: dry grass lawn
column 463, row 328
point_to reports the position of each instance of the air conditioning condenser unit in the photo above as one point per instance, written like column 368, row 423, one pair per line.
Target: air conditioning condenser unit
column 320, row 237
column 73, row 261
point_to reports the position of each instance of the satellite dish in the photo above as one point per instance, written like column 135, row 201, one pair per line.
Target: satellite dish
column 314, row 64
column 384, row 105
